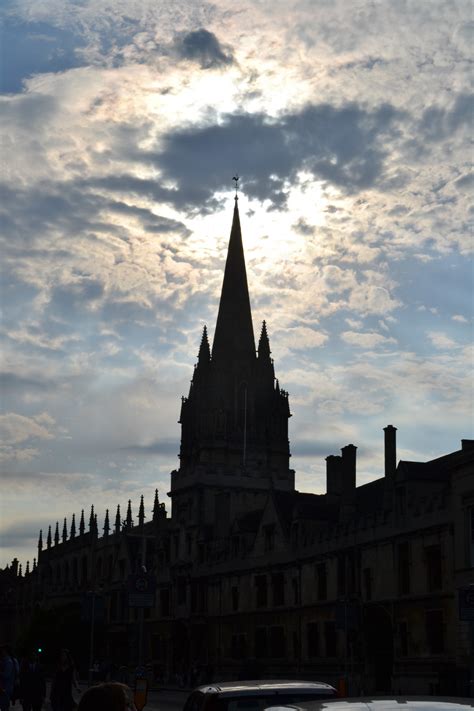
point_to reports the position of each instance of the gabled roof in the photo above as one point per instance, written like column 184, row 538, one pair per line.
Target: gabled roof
column 369, row 497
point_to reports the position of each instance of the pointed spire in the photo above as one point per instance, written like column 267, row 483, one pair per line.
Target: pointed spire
column 48, row 540
column 277, row 387
column 106, row 523
column 264, row 343
column 34, row 565
column 96, row 527
column 82, row 526
column 128, row 519
column 64, row 536
column 204, row 355
column 27, row 570
column 20, row 574
column 40, row 542
column 141, row 513
column 72, row 533
column 56, row 534
column 234, row 337
column 91, row 520
column 118, row 520
column 156, row 506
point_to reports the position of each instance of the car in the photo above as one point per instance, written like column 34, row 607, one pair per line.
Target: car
column 388, row 703
column 255, row 695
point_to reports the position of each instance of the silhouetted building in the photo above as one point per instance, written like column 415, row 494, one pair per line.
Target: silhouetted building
column 254, row 577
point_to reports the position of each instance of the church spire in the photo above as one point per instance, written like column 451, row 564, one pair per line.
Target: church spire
column 141, row 512
column 64, row 537
column 40, row 542
column 204, row 355
column 72, row 533
column 106, row 523
column 264, row 343
column 234, row 339
column 48, row 540
column 118, row 520
column 56, row 534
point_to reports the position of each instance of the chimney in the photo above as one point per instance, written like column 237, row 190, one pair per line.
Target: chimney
column 390, row 450
column 333, row 475
column 348, row 473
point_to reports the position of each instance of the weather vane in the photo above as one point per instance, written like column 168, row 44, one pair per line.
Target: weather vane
column 236, row 178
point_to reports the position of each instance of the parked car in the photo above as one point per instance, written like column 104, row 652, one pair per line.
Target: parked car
column 255, row 695
column 393, row 703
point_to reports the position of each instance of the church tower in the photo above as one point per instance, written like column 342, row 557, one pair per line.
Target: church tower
column 234, row 422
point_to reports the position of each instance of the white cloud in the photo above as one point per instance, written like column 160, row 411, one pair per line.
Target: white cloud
column 441, row 340
column 366, row 340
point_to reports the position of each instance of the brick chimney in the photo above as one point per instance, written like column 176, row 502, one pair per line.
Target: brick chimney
column 348, row 471
column 390, row 450
column 334, row 475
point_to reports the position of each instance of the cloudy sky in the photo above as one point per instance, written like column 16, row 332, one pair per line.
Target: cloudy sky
column 123, row 123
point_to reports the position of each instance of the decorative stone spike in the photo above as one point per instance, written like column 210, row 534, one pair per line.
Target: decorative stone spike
column 34, row 564
column 27, row 570
column 141, row 512
column 129, row 520
column 73, row 527
column 82, row 526
column 64, row 531
column 118, row 520
column 156, row 506
column 264, row 343
column 91, row 520
column 40, row 542
column 106, row 523
column 20, row 574
column 49, row 539
column 96, row 527
column 56, row 534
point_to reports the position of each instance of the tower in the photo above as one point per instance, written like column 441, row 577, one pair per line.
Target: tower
column 234, row 421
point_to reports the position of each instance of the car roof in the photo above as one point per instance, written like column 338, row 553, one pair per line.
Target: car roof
column 385, row 703
column 263, row 687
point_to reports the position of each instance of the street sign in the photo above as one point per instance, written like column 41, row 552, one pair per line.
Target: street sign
column 466, row 603
column 141, row 590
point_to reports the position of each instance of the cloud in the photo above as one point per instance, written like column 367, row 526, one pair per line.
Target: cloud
column 441, row 340
column 366, row 340
column 459, row 318
column 203, row 47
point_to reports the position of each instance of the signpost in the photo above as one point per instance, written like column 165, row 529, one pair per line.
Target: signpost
column 141, row 590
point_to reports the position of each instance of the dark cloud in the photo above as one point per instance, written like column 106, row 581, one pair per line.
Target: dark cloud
column 438, row 123
column 166, row 447
column 346, row 146
column 203, row 47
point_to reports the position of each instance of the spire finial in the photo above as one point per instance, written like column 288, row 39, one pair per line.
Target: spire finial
column 106, row 523
column 141, row 512
column 40, row 541
column 72, row 534
column 204, row 355
column 118, row 520
column 236, row 179
column 264, row 343
column 64, row 531
column 82, row 526
column 56, row 534
column 129, row 520
column 156, row 506
column 48, row 540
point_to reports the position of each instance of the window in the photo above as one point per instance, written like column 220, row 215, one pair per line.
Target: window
column 261, row 586
column 235, row 598
column 181, row 590
column 435, row 631
column 434, row 573
column 341, row 575
column 277, row 642
column 296, row 591
column 238, row 646
column 269, row 537
column 322, row 583
column 165, row 602
column 367, row 578
column 260, row 642
column 330, row 641
column 278, row 585
column 404, row 568
column 403, row 638
column 312, row 639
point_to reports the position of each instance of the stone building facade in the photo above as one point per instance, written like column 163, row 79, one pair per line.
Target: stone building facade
column 255, row 578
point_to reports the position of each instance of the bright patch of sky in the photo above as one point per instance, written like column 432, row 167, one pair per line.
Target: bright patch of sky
column 123, row 125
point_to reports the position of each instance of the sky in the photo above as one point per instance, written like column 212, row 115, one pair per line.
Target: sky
column 123, row 123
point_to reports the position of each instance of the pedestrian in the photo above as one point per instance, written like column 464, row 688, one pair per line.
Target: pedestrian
column 16, row 679
column 111, row 696
column 65, row 678
column 32, row 683
column 7, row 678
